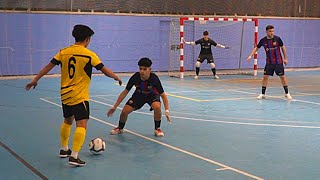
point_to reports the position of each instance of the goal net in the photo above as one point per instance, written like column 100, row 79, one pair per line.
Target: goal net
column 240, row 34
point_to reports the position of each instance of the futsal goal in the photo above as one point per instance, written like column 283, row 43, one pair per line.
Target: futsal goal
column 240, row 34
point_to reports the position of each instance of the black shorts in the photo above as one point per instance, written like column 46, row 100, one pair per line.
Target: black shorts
column 208, row 57
column 269, row 69
column 80, row 111
column 137, row 101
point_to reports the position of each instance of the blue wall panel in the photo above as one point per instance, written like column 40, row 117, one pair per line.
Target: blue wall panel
column 29, row 41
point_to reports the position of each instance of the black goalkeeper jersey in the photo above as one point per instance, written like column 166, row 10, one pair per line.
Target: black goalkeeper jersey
column 206, row 45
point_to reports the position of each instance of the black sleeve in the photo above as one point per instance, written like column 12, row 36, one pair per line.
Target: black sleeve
column 131, row 81
column 260, row 43
column 213, row 42
column 55, row 62
column 158, row 84
column 99, row 66
column 198, row 41
column 280, row 42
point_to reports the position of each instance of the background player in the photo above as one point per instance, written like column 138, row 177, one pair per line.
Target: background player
column 274, row 60
column 206, row 53
column 76, row 63
column 148, row 90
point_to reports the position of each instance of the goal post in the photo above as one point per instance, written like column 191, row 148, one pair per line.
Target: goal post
column 240, row 34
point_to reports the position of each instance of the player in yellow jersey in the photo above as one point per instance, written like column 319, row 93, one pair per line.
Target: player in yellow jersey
column 76, row 63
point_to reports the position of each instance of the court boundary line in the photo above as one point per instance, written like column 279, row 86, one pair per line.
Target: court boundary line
column 220, row 121
column 236, row 98
column 24, row 162
column 278, row 97
column 229, row 117
column 173, row 147
column 237, row 88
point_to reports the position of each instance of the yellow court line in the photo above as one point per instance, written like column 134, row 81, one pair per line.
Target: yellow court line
column 250, row 97
column 183, row 97
column 200, row 100
column 227, row 99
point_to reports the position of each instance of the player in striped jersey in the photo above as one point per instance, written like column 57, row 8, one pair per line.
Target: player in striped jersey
column 274, row 61
column 76, row 63
column 148, row 89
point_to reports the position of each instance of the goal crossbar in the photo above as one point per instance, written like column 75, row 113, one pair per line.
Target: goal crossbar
column 203, row 20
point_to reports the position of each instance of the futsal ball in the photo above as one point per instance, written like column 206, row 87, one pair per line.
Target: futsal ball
column 97, row 146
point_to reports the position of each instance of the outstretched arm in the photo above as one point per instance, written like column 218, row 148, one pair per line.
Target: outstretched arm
column 122, row 95
column 222, row 46
column 190, row 43
column 252, row 53
column 43, row 72
column 166, row 105
column 108, row 72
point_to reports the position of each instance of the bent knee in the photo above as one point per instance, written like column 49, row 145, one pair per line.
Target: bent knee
column 156, row 106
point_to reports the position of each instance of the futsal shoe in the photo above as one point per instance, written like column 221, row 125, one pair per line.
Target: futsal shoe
column 288, row 96
column 216, row 77
column 64, row 154
column 116, row 130
column 196, row 77
column 261, row 96
column 76, row 162
column 158, row 132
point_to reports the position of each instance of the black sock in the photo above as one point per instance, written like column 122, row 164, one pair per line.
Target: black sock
column 197, row 71
column 213, row 71
column 264, row 88
column 157, row 124
column 286, row 89
column 121, row 125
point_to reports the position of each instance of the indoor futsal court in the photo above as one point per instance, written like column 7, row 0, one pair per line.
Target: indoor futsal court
column 219, row 130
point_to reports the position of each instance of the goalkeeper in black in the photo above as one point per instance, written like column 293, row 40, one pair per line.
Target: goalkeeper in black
column 206, row 53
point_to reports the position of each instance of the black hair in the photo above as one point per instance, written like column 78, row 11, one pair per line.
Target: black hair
column 146, row 62
column 81, row 32
column 205, row 33
column 269, row 27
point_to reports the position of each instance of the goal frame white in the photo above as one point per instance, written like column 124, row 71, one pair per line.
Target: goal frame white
column 183, row 19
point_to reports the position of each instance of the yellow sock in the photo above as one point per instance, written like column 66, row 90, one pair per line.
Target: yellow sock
column 78, row 139
column 65, row 130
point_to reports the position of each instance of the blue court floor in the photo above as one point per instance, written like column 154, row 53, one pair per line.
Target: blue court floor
column 219, row 131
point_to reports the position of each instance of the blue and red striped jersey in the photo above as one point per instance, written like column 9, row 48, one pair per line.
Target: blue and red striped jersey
column 152, row 86
column 272, row 48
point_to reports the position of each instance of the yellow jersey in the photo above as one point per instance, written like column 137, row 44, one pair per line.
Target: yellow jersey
column 76, row 63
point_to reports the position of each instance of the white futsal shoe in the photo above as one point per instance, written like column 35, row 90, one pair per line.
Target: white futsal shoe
column 288, row 96
column 216, row 76
column 261, row 96
column 116, row 130
column 158, row 132
column 196, row 77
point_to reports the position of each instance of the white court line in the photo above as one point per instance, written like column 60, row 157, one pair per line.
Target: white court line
column 235, row 89
column 230, row 117
column 222, row 169
column 248, row 119
column 310, row 102
column 173, row 147
column 296, row 100
column 220, row 121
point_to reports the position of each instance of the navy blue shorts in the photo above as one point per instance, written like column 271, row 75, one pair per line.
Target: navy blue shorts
column 269, row 69
column 79, row 111
column 137, row 101
column 208, row 57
